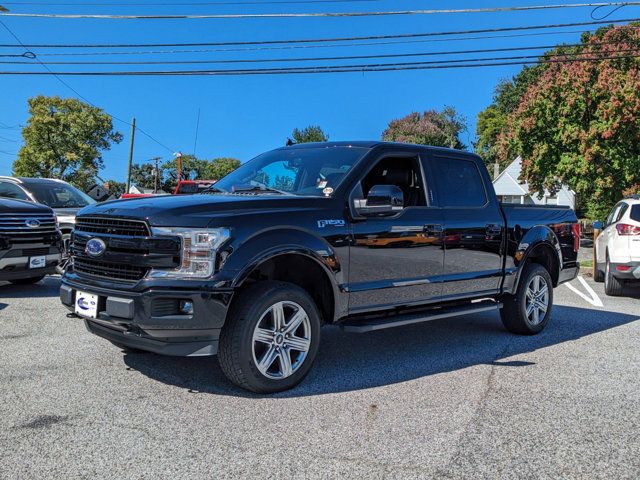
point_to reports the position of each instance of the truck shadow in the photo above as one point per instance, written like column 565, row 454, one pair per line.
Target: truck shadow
column 47, row 287
column 348, row 362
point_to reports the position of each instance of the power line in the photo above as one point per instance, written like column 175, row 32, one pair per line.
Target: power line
column 171, row 4
column 313, row 59
column 304, row 46
column 321, row 40
column 442, row 64
column 229, row 16
column 55, row 75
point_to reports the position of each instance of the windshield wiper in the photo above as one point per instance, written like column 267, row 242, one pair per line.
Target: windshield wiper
column 259, row 188
column 212, row 189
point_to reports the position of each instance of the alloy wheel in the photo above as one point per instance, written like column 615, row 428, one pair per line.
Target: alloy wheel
column 281, row 340
column 537, row 302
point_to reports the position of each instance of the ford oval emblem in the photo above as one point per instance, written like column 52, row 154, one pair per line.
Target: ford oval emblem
column 32, row 223
column 95, row 247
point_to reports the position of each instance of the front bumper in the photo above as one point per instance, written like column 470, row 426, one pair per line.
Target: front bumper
column 628, row 270
column 16, row 268
column 150, row 320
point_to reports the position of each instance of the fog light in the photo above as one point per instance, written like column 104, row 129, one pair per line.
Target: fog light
column 186, row 307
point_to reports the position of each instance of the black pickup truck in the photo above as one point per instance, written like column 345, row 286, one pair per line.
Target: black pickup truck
column 30, row 241
column 366, row 235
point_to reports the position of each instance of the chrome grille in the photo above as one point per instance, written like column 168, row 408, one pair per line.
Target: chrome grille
column 15, row 226
column 112, row 226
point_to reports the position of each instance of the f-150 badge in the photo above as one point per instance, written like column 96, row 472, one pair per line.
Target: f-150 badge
column 331, row 223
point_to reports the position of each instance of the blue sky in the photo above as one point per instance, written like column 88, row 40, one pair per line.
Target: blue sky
column 244, row 116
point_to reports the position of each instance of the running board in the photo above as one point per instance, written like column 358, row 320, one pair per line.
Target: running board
column 370, row 325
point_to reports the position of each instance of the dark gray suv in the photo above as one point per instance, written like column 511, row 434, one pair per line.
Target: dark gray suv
column 63, row 198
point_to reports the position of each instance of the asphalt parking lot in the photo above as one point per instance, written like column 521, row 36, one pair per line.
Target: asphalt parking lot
column 447, row 399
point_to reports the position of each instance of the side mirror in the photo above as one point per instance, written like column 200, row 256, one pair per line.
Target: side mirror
column 598, row 225
column 382, row 200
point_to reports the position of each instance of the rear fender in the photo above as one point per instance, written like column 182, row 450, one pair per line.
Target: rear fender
column 535, row 238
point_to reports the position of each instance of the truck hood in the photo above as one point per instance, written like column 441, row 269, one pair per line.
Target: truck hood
column 21, row 206
column 207, row 210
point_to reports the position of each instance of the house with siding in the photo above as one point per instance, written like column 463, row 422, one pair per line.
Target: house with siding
column 510, row 189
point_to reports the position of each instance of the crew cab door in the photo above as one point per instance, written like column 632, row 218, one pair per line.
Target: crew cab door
column 395, row 259
column 473, row 226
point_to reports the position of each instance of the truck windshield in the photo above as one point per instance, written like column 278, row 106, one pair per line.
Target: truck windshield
column 296, row 171
column 59, row 195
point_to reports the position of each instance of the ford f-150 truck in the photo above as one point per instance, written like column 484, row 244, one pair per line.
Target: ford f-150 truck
column 30, row 241
column 366, row 235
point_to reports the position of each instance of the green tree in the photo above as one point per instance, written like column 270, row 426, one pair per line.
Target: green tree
column 191, row 168
column 492, row 121
column 436, row 128
column 312, row 133
column 64, row 138
column 143, row 175
column 221, row 167
column 579, row 123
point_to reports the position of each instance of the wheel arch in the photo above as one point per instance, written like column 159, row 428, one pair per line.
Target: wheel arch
column 540, row 245
column 297, row 257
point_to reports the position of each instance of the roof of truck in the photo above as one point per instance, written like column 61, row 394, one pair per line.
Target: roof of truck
column 369, row 144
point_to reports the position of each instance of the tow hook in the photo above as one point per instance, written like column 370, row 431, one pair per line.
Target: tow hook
column 73, row 315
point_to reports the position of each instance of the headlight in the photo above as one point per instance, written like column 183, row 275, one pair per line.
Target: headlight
column 199, row 249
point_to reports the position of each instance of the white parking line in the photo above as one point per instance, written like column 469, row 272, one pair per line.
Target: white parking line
column 593, row 299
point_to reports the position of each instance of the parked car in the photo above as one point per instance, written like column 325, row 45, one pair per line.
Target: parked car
column 30, row 242
column 618, row 247
column 251, row 269
column 65, row 200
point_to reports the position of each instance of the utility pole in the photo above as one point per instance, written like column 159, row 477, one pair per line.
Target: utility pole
column 179, row 162
column 133, row 136
column 156, row 173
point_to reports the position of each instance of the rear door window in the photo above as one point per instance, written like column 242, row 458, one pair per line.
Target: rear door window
column 635, row 213
column 459, row 183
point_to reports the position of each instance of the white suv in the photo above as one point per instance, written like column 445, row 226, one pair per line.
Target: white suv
column 618, row 246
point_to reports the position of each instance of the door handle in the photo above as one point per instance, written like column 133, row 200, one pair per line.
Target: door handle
column 434, row 230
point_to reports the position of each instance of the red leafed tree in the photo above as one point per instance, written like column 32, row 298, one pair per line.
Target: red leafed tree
column 579, row 123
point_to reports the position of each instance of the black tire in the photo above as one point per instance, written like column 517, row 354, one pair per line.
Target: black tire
column 251, row 307
column 27, row 281
column 612, row 286
column 598, row 275
column 514, row 311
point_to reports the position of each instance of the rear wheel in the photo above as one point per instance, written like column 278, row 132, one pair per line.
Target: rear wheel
column 27, row 281
column 528, row 311
column 612, row 286
column 271, row 337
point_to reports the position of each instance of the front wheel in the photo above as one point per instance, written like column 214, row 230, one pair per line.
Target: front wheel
column 271, row 337
column 528, row 311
